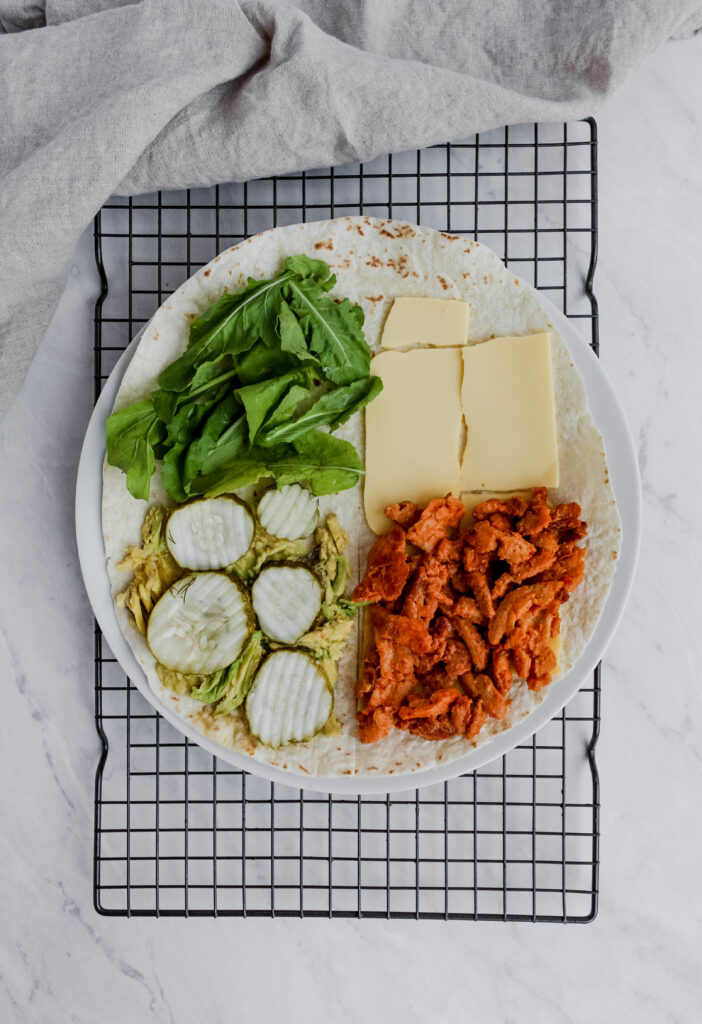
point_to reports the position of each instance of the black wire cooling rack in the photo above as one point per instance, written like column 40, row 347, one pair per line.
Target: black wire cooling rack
column 178, row 832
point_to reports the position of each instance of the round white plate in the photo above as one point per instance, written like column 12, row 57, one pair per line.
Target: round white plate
column 624, row 475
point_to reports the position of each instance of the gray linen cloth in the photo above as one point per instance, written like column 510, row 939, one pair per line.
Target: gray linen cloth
column 107, row 96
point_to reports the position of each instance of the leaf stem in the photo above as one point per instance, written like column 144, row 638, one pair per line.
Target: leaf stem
column 186, row 396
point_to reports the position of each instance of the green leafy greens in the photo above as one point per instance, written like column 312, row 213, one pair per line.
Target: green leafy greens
column 263, row 371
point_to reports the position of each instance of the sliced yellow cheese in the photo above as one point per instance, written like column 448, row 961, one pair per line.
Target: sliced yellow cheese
column 417, row 321
column 508, row 404
column 413, row 430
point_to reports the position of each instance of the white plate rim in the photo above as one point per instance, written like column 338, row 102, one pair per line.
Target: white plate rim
column 610, row 420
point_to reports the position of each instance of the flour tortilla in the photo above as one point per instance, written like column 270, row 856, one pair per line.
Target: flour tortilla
column 375, row 261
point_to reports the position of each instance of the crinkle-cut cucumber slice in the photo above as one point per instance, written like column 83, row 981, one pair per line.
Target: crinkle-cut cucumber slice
column 290, row 699
column 290, row 513
column 210, row 533
column 200, row 624
column 287, row 599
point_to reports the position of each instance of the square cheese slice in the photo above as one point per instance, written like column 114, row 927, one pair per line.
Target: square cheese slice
column 510, row 415
column 418, row 321
column 413, row 430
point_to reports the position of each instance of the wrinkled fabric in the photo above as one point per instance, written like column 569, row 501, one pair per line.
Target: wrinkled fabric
column 111, row 97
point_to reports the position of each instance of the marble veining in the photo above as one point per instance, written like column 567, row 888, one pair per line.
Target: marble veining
column 639, row 961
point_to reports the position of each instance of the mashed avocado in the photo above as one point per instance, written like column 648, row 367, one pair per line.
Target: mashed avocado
column 329, row 640
column 266, row 548
column 153, row 566
column 225, row 690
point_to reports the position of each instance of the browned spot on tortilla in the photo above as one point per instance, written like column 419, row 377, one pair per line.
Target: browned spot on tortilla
column 324, row 245
column 345, row 263
column 374, row 298
column 347, row 771
column 303, row 769
column 467, row 250
column 206, row 273
column 466, row 273
column 189, row 316
column 443, row 282
column 400, row 231
column 355, row 227
column 484, row 279
column 399, row 265
column 216, row 259
column 155, row 335
column 451, row 238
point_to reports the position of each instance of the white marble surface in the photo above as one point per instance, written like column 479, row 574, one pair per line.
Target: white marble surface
column 640, row 960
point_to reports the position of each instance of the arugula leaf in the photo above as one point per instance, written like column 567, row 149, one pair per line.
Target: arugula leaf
column 224, row 459
column 334, row 331
column 287, row 406
column 234, row 324
column 308, row 269
column 292, row 337
column 258, row 399
column 184, row 425
column 219, row 420
column 332, row 409
column 246, row 468
column 172, row 473
column 211, row 373
column 261, row 362
column 132, row 434
column 326, row 462
column 165, row 404
column 264, row 348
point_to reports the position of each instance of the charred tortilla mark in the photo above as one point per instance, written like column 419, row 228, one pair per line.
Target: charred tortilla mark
column 206, row 273
column 328, row 244
column 443, row 282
